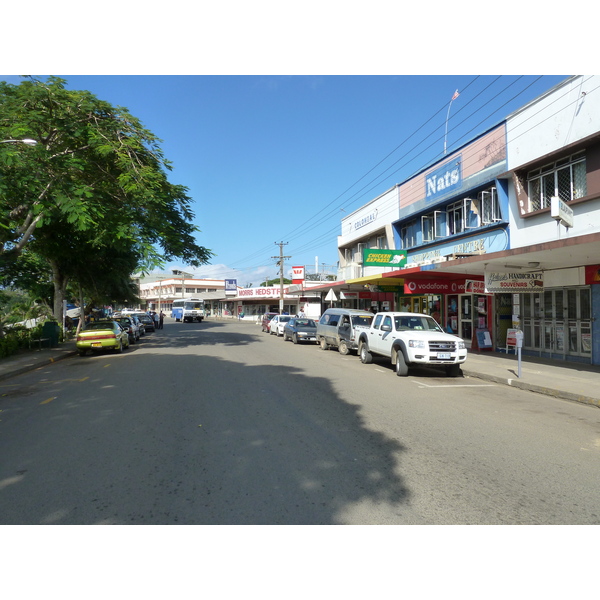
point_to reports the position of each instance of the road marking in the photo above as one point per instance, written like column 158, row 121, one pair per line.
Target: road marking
column 47, row 401
column 454, row 385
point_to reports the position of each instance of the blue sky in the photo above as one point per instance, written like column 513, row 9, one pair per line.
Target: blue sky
column 283, row 158
column 280, row 118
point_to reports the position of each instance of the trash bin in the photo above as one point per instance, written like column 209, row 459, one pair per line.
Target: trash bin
column 51, row 332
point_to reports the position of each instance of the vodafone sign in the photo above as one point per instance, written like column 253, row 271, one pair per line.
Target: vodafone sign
column 425, row 286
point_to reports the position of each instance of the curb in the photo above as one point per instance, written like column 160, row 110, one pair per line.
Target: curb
column 531, row 387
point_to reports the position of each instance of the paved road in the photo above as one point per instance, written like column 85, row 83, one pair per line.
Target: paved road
column 218, row 423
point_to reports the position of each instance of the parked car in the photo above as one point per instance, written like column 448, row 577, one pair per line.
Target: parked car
column 278, row 323
column 336, row 328
column 141, row 326
column 147, row 321
column 102, row 335
column 132, row 327
column 266, row 321
column 411, row 340
column 300, row 329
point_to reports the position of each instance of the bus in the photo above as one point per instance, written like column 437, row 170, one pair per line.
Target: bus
column 188, row 310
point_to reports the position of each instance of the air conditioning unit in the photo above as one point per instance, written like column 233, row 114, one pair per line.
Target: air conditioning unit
column 358, row 258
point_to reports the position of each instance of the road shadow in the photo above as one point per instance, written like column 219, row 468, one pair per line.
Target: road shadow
column 232, row 444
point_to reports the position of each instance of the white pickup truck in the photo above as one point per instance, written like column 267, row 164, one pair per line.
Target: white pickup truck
column 411, row 339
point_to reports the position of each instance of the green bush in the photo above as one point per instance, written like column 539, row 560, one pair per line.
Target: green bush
column 9, row 345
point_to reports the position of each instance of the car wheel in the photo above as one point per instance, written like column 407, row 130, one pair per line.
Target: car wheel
column 453, row 371
column 119, row 348
column 295, row 338
column 343, row 348
column 132, row 340
column 401, row 366
column 365, row 356
column 82, row 352
column 324, row 344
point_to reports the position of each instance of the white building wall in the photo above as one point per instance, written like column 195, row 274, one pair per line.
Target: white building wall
column 374, row 216
column 564, row 115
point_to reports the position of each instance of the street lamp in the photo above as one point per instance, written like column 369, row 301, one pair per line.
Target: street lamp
column 27, row 141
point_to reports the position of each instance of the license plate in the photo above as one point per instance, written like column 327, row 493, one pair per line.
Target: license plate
column 96, row 345
column 443, row 355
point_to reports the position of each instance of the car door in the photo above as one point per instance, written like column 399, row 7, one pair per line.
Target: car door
column 374, row 332
column 381, row 333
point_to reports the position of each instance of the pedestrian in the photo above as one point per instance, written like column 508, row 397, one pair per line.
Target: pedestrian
column 156, row 320
column 302, row 313
column 161, row 319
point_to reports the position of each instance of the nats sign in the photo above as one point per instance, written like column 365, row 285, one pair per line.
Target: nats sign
column 297, row 274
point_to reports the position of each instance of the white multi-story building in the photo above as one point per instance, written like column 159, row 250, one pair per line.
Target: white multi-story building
column 158, row 292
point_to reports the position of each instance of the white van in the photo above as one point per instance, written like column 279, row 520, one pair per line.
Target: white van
column 336, row 328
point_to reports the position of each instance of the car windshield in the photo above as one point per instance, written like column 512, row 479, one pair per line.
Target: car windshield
column 419, row 323
column 305, row 323
column 362, row 320
column 284, row 319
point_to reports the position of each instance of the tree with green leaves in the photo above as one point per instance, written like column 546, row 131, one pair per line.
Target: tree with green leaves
column 96, row 179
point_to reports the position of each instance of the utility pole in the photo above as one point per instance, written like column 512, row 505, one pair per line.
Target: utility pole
column 280, row 262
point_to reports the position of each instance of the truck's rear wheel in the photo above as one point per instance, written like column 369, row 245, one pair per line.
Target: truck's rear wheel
column 324, row 344
column 365, row 356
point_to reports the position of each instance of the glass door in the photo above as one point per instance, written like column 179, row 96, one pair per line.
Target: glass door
column 466, row 319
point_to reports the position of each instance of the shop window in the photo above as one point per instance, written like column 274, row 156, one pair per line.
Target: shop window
column 408, row 235
column 433, row 226
column 565, row 178
column 489, row 207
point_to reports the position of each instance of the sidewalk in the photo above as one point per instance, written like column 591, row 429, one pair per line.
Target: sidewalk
column 569, row 381
column 560, row 379
column 33, row 359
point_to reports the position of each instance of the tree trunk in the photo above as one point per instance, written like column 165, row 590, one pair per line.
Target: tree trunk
column 60, row 286
column 81, row 321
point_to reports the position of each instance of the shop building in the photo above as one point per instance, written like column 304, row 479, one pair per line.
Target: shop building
column 158, row 292
column 252, row 303
column 503, row 233
column 367, row 251
column 454, row 209
column 537, row 269
column 554, row 160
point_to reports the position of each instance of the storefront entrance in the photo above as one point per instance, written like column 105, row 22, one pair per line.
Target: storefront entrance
column 430, row 304
column 468, row 313
column 557, row 323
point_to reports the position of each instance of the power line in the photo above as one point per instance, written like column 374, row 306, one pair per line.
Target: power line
column 301, row 229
